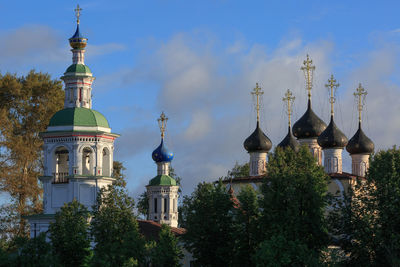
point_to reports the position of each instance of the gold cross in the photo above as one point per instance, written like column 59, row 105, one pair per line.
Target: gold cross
column 257, row 92
column 289, row 99
column 308, row 70
column 77, row 13
column 332, row 86
column 162, row 123
column 360, row 98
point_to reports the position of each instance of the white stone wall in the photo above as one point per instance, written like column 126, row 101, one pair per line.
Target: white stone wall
column 315, row 149
column 258, row 161
column 163, row 195
column 333, row 160
column 359, row 164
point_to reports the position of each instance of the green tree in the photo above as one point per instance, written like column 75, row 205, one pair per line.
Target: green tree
column 294, row 199
column 247, row 227
column 367, row 221
column 238, row 171
column 34, row 252
column 26, row 106
column 69, row 235
column 118, row 173
column 207, row 215
column 167, row 252
column 115, row 229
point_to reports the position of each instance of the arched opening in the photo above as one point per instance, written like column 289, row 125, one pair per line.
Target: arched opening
column 106, row 162
column 61, row 165
column 87, row 161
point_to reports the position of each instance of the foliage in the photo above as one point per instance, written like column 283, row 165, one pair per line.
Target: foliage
column 26, row 106
column 207, row 215
column 366, row 220
column 294, row 198
column 238, row 171
column 115, row 229
column 167, row 252
column 33, row 252
column 69, row 235
column 118, row 173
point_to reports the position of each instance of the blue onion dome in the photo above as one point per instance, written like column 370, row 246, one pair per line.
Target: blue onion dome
column 257, row 141
column 162, row 153
column 309, row 125
column 77, row 41
column 360, row 143
column 290, row 141
column 332, row 137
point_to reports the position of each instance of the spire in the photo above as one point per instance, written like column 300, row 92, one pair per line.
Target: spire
column 360, row 98
column 289, row 99
column 332, row 87
column 257, row 92
column 77, row 13
column 308, row 70
column 162, row 123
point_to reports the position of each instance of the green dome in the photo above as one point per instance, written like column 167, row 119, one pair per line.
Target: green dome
column 79, row 117
column 78, row 68
column 162, row 180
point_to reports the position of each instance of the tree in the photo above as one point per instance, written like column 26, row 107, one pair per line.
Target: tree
column 33, row 252
column 167, row 252
column 207, row 215
column 294, row 198
column 26, row 106
column 69, row 235
column 238, row 171
column 118, row 173
column 115, row 229
column 366, row 220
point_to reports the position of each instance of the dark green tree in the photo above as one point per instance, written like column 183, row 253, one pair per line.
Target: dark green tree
column 118, row 173
column 69, row 235
column 115, row 230
column 366, row 220
column 207, row 215
column 33, row 252
column 26, row 106
column 238, row 171
column 167, row 252
column 294, row 199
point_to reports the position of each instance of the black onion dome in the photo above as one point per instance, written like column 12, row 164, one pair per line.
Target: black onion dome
column 257, row 141
column 290, row 141
column 332, row 137
column 360, row 143
column 309, row 125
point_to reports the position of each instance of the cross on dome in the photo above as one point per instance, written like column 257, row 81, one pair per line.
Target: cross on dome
column 360, row 98
column 289, row 99
column 257, row 92
column 162, row 123
column 308, row 70
column 332, row 87
column 77, row 13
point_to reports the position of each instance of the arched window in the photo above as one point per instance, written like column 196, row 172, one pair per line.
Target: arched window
column 155, row 205
column 165, row 205
column 87, row 161
column 106, row 162
column 60, row 165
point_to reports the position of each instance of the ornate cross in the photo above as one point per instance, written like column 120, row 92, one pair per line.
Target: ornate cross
column 332, row 86
column 162, row 123
column 289, row 99
column 257, row 92
column 360, row 98
column 308, row 70
column 77, row 13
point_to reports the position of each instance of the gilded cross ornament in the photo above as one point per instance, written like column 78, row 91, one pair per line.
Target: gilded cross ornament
column 332, row 87
column 308, row 70
column 257, row 92
column 162, row 123
column 77, row 13
column 360, row 98
column 289, row 99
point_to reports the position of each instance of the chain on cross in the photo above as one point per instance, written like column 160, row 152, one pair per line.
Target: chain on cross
column 308, row 70
column 77, row 13
column 257, row 92
column 289, row 99
column 332, row 87
column 162, row 123
column 360, row 98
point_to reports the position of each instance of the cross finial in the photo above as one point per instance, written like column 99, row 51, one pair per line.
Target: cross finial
column 289, row 99
column 360, row 98
column 77, row 13
column 332, row 87
column 162, row 123
column 257, row 92
column 308, row 70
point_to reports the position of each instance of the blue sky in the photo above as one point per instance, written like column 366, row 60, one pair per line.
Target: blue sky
column 198, row 60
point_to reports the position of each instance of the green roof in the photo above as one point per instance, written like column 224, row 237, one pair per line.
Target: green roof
column 78, row 68
column 79, row 117
column 162, row 180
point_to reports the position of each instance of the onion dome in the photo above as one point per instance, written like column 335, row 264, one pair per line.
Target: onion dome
column 360, row 143
column 162, row 154
column 309, row 125
column 257, row 141
column 290, row 141
column 79, row 117
column 77, row 41
column 332, row 137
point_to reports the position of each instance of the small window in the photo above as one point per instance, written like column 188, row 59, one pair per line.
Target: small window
column 155, row 205
column 165, row 205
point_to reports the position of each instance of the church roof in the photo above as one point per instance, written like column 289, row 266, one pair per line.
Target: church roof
column 151, row 230
column 78, row 68
column 257, row 141
column 162, row 153
column 360, row 143
column 309, row 125
column 77, row 41
column 289, row 141
column 332, row 137
column 79, row 117
column 162, row 180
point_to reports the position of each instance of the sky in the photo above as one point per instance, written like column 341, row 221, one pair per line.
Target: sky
column 199, row 60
